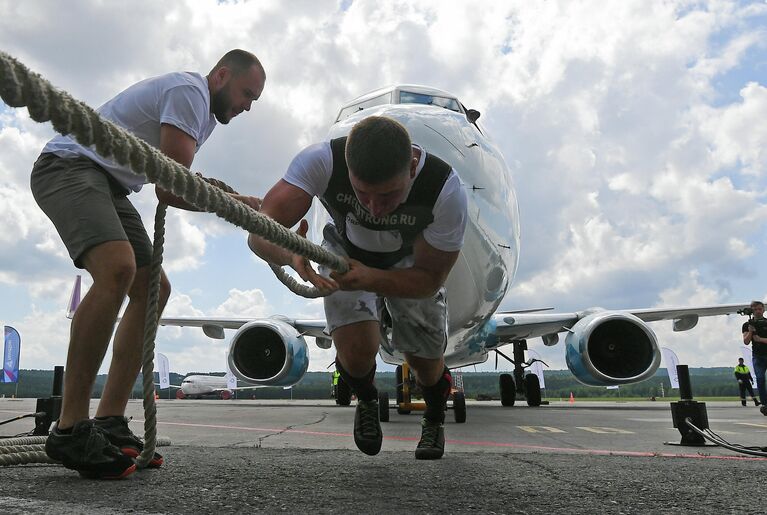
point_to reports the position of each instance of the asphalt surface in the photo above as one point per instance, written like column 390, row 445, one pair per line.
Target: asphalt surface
column 271, row 457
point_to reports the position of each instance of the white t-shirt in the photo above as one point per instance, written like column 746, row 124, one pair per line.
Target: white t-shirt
column 180, row 99
column 312, row 168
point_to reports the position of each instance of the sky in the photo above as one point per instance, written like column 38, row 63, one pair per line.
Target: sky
column 634, row 131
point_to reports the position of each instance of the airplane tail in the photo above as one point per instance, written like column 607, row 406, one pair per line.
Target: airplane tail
column 74, row 298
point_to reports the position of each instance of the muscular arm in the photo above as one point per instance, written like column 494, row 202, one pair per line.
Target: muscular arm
column 179, row 146
column 286, row 204
column 428, row 273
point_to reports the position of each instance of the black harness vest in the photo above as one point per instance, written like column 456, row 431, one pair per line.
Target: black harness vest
column 409, row 219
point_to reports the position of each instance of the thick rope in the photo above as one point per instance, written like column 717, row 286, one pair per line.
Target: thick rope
column 10, row 449
column 23, row 449
column 151, row 322
column 21, row 458
column 31, row 449
column 285, row 278
column 20, row 87
column 23, row 440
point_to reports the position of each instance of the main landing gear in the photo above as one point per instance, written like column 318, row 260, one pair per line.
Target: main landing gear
column 407, row 387
column 519, row 385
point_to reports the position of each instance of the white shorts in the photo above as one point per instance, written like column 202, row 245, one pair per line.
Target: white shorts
column 416, row 326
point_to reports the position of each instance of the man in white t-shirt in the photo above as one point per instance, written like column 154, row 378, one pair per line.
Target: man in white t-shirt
column 399, row 216
column 85, row 196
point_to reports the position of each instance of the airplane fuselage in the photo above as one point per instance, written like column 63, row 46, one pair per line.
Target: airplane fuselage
column 202, row 385
column 488, row 261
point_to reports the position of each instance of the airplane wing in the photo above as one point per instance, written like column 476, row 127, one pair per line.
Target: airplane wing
column 169, row 386
column 522, row 325
column 214, row 327
column 239, row 388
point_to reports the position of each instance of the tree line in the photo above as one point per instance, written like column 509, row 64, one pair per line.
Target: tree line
column 706, row 382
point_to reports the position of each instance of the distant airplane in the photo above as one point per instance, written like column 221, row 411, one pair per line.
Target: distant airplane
column 602, row 347
column 199, row 386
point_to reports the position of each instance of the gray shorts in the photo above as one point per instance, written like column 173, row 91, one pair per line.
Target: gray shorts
column 417, row 326
column 87, row 206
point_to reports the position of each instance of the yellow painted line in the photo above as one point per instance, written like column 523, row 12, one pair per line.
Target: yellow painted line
column 540, row 429
column 606, row 430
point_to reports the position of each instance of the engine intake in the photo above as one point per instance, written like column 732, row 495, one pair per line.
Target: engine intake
column 268, row 352
column 612, row 348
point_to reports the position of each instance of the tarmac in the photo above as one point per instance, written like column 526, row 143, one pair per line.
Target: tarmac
column 256, row 456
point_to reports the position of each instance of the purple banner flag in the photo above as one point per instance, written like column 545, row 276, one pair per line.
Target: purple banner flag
column 74, row 298
column 11, row 356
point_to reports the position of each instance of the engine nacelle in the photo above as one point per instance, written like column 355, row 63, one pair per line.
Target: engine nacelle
column 268, row 352
column 611, row 348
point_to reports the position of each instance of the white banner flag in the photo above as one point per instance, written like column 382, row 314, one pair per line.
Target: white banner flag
column 163, row 369
column 671, row 360
column 537, row 367
column 748, row 358
column 231, row 379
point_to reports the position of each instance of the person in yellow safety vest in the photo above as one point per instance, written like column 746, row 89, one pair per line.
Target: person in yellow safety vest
column 745, row 380
column 334, row 389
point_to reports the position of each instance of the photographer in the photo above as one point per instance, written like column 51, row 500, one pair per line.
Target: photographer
column 755, row 332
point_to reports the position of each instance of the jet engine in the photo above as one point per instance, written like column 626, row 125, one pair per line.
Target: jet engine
column 268, row 352
column 611, row 348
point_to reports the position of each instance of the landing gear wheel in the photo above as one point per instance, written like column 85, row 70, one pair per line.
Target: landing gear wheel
column 533, row 388
column 343, row 393
column 459, row 407
column 383, row 407
column 400, row 391
column 508, row 390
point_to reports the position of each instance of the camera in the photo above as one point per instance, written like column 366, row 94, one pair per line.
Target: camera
column 746, row 312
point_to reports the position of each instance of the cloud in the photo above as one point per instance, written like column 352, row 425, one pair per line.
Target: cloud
column 634, row 131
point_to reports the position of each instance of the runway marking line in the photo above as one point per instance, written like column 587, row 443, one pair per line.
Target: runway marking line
column 480, row 443
column 605, row 430
column 541, row 429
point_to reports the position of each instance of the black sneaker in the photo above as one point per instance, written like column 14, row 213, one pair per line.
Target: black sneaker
column 367, row 428
column 763, row 410
column 119, row 434
column 88, row 451
column 432, row 444
column 756, row 402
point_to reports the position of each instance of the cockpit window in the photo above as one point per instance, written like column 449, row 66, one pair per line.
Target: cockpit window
column 407, row 97
column 375, row 101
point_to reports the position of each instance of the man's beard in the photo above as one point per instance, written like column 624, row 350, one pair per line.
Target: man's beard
column 221, row 105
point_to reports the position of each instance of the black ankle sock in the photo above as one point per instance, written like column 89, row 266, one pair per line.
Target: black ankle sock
column 364, row 387
column 67, row 431
column 436, row 396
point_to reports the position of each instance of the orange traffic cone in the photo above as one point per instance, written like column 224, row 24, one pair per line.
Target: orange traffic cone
column 572, row 398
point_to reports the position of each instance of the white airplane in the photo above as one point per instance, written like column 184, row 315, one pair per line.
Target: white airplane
column 602, row 347
column 199, row 386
